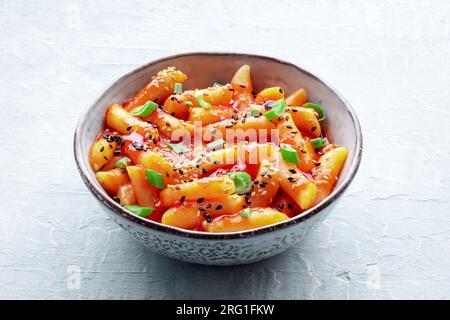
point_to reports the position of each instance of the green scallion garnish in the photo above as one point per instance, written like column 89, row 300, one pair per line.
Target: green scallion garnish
column 316, row 108
column 146, row 109
column 188, row 103
column 140, row 211
column 289, row 154
column 179, row 147
column 242, row 182
column 154, row 178
column 278, row 109
column 318, row 142
column 177, row 88
column 245, row 213
column 254, row 113
column 215, row 144
column 203, row 103
column 121, row 163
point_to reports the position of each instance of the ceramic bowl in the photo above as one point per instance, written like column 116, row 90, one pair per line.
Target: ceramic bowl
column 223, row 248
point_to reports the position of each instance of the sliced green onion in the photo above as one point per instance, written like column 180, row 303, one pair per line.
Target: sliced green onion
column 146, row 109
column 318, row 142
column 154, row 178
column 245, row 213
column 242, row 182
column 188, row 103
column 215, row 144
column 278, row 109
column 140, row 211
column 289, row 154
column 122, row 162
column 254, row 113
column 177, row 88
column 217, row 84
column 179, row 147
column 316, row 108
column 203, row 103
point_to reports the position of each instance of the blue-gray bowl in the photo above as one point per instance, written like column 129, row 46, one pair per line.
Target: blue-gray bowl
column 224, row 248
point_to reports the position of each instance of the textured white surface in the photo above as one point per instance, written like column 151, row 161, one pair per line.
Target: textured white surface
column 388, row 238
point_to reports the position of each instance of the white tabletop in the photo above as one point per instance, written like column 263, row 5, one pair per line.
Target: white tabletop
column 389, row 237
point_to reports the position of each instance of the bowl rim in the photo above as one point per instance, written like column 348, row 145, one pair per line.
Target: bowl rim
column 106, row 200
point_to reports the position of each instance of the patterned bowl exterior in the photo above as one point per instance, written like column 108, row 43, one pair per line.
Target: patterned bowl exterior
column 223, row 248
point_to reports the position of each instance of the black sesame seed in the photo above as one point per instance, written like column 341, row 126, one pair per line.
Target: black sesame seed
column 129, row 128
column 182, row 198
column 291, row 179
column 292, row 171
column 200, row 200
column 201, row 209
column 208, row 218
column 102, row 149
column 313, row 129
column 219, row 207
